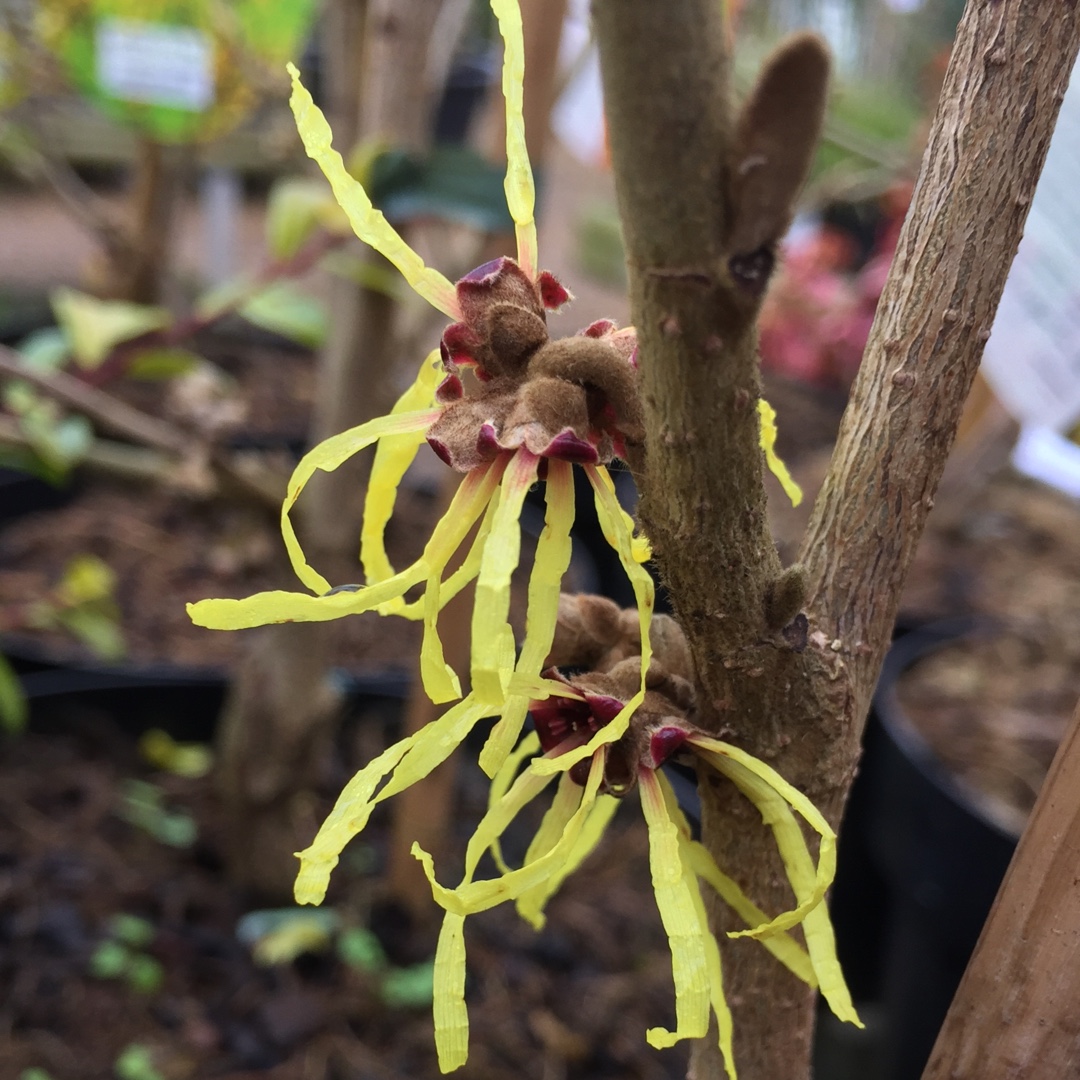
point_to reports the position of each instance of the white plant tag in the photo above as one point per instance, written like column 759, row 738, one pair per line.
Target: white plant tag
column 1032, row 359
column 155, row 64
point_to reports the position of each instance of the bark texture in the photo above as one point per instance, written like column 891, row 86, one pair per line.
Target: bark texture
column 1015, row 1011
column 680, row 158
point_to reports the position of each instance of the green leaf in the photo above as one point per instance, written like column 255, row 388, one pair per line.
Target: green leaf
column 97, row 629
column 174, row 829
column 144, row 974
column 409, row 988
column 86, row 578
column 14, row 711
column 295, row 209
column 72, row 438
column 95, row 327
column 283, row 310
column 454, row 183
column 131, row 930
column 136, row 1062
column 109, row 960
column 142, row 806
column 154, row 364
column 34, row 1073
column 161, row 750
column 360, row 948
column 379, row 277
column 45, row 350
column 60, row 442
column 279, row 936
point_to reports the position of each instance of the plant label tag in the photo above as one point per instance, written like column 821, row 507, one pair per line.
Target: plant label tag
column 1032, row 359
column 154, row 64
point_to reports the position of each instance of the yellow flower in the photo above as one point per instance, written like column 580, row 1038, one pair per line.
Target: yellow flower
column 584, row 803
column 530, row 420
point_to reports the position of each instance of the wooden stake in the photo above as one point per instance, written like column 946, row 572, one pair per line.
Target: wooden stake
column 1017, row 1011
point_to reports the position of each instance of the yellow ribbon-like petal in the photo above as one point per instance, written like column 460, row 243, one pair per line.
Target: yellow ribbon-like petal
column 500, row 785
column 348, row 817
column 409, row 760
column 561, row 810
column 774, row 798
column 713, row 966
column 451, row 1015
column 469, row 502
column 393, row 456
column 367, row 222
column 768, row 444
column 685, row 937
column 519, row 186
column 549, row 566
column 462, row 576
column 326, row 457
column 473, row 896
column 279, row 606
column 695, row 855
column 531, row 904
column 618, row 530
column 492, row 636
column 781, row 944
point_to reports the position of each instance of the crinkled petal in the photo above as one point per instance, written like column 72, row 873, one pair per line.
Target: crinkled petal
column 464, row 574
column 686, row 936
column 492, row 636
column 781, row 944
column 555, row 819
column 713, row 965
column 450, row 1012
column 774, row 798
column 768, row 444
column 473, row 896
column 279, row 606
column 327, row 456
column 550, row 564
column 618, row 530
column 531, row 904
column 520, row 190
column 500, row 784
column 348, row 817
column 368, row 223
column 470, row 501
column 409, row 760
column 393, row 456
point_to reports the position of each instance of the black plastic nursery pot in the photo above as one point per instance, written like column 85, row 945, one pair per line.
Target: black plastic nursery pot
column 940, row 858
column 185, row 702
column 22, row 493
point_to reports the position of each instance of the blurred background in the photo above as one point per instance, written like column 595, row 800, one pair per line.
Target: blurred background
column 183, row 309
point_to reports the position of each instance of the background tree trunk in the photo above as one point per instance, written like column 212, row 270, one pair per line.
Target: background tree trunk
column 665, row 76
column 280, row 710
column 1015, row 1013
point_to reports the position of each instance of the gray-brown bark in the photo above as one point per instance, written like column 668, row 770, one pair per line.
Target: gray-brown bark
column 676, row 154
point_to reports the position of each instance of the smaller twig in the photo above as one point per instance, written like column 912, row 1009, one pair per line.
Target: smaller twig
column 107, row 411
column 227, row 477
column 233, row 475
column 116, row 363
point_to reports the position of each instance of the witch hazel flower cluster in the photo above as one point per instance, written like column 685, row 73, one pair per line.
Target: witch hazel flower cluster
column 532, row 411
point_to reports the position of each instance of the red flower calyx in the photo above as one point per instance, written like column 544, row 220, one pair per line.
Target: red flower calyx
column 575, row 398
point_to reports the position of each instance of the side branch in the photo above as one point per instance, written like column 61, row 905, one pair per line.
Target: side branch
column 1004, row 86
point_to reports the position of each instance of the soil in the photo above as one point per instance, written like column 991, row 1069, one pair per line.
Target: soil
column 167, row 546
column 572, row 1001
column 995, row 706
